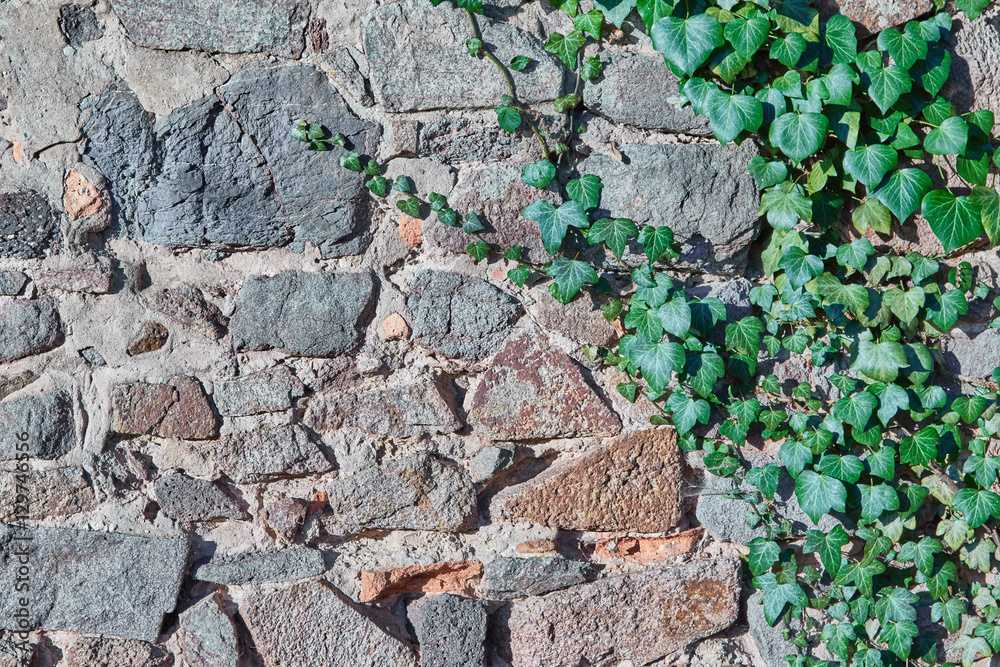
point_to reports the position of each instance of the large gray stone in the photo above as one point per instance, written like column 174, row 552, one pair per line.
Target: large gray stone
column 189, row 499
column 12, row 282
column 28, row 228
column 46, row 420
column 224, row 173
column 258, row 567
column 207, row 635
column 313, row 624
column 308, row 314
column 244, row 26
column 28, row 327
column 460, row 316
column 454, row 140
column 269, row 451
column 873, row 16
column 271, row 390
column 419, row 60
column 417, row 492
column 94, row 582
column 701, row 191
column 975, row 50
column 509, row 578
column 451, row 630
column 638, row 89
column 973, row 356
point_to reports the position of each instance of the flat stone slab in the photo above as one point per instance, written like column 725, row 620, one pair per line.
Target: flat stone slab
column 28, row 328
column 271, row 390
column 973, row 356
column 48, row 421
column 93, row 582
column 509, row 578
column 451, row 630
column 873, row 16
column 257, row 567
column 308, row 314
column 207, row 635
column 419, row 60
column 107, row 651
column 637, row 617
column 268, row 452
column 244, row 26
column 188, row 499
column 314, row 624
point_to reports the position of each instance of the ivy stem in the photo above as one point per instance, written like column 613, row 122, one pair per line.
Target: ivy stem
column 508, row 80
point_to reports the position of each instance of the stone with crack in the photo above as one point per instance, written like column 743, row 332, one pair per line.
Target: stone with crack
column 269, row 452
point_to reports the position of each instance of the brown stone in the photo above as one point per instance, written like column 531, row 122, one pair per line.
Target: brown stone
column 191, row 417
column 81, row 197
column 285, row 516
column 874, row 15
column 138, row 407
column 534, row 391
column 17, row 152
column 453, row 577
column 395, row 327
column 151, row 337
column 112, row 652
column 11, row 383
column 411, row 230
column 53, row 492
column 632, row 484
column 537, row 547
column 187, row 305
column 580, row 320
column 636, row 617
column 646, row 550
column 89, row 280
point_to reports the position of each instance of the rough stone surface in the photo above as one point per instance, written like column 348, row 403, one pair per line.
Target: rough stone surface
column 187, row 499
column 12, row 282
column 207, row 635
column 52, row 492
column 190, row 417
column 709, row 201
column 532, row 390
column 268, row 452
column 638, row 617
column 81, row 197
column 398, row 409
column 150, row 337
column 28, row 227
column 308, row 314
column 580, row 320
column 647, row 550
column 187, row 306
column 509, row 578
column 88, row 280
column 47, row 419
column 410, row 230
column 256, row 26
column 770, row 642
column 460, row 316
column 417, row 492
column 271, row 390
column 285, row 516
column 258, row 567
column 639, row 89
column 139, row 407
column 396, row 328
column 288, row 632
column 873, row 16
column 419, row 60
column 451, row 577
column 972, row 356
column 112, row 652
column 490, row 462
column 974, row 46
column 79, row 25
column 11, row 383
column 632, row 484
column 451, row 630
column 454, row 140
column 28, row 327
column 113, row 584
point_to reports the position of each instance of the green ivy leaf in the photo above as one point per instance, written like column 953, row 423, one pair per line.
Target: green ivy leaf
column 904, row 304
column 644, row 320
column 586, row 190
column 855, row 254
column 657, row 360
column 744, row 335
column 614, row 232
column 765, row 479
column 846, row 468
column 592, row 68
column 447, row 216
column 675, row 315
column 409, row 206
column 956, row 221
column 590, row 22
column 830, row 288
column 883, row 463
column 519, row 276
column 554, row 222
column 903, row 191
column 474, row 6
column 905, row 49
column 828, row 546
column 933, row 71
column 820, row 494
column 876, row 499
column 921, row 553
column 655, row 241
column 984, row 468
column 687, row 411
column 763, row 555
column 840, row 37
column 971, row 8
column 969, row 408
column 788, row 49
column 872, row 214
column 538, row 174
column 799, row 266
column 732, row 114
column 885, row 84
column 899, row 636
column 919, row 448
column 518, row 63
column 565, row 47
column 988, row 631
column 378, row 186
column 950, row 612
column 880, row 362
column 351, row 160
column 687, row 43
column 702, row 368
column 976, row 505
column 799, row 135
column 508, row 118
column 869, row 164
column 855, row 409
column 473, row 45
column 949, row 139
column 767, row 172
column 615, row 11
column 570, row 276
column 784, row 205
column 893, row 399
column 478, row 250
column 747, row 35
column 472, row 224
column 777, row 595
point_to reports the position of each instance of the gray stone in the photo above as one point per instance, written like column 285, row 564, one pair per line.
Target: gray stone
column 114, row 652
column 187, row 499
column 873, row 16
column 581, row 319
column 490, row 462
column 188, row 306
column 313, row 624
column 245, row 26
column 451, row 630
column 455, row 140
column 972, row 356
column 353, row 449
column 47, row 420
column 701, row 191
column 79, row 25
column 419, row 60
column 207, row 636
column 271, row 390
column 28, row 227
column 258, row 567
column 509, row 578
column 342, row 66
column 12, row 282
column 269, row 451
column 417, row 492
column 460, row 316
column 399, row 409
column 94, row 582
column 11, row 383
column 52, row 492
column 92, row 356
column 308, row 314
column 285, row 516
column 974, row 46
column 639, row 89
column 770, row 642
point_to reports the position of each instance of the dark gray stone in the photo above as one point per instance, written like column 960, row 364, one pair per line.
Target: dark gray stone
column 417, row 492
column 490, row 462
column 460, row 316
column 93, row 582
column 269, row 451
column 271, row 390
column 207, row 635
column 451, row 630
column 245, row 26
column 973, row 356
column 79, row 25
column 419, row 60
column 187, row 499
column 454, row 140
column 12, row 282
column 308, row 314
column 638, row 89
column 28, row 227
column 47, row 420
column 701, row 191
column 258, row 567
column 509, row 578
column 92, row 356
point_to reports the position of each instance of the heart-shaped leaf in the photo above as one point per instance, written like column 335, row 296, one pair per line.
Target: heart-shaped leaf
column 732, row 114
column 869, row 164
column 687, row 43
column 956, row 221
column 903, row 191
column 799, row 135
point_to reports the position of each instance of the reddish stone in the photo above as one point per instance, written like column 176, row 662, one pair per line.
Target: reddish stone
column 537, row 547
column 411, row 229
column 113, row 652
column 632, row 484
column 395, row 327
column 81, row 197
column 17, row 152
column 648, row 549
column 11, row 383
column 151, row 337
column 191, row 417
column 581, row 319
column 187, row 305
column 533, row 391
column 453, row 577
column 137, row 408
column 285, row 516
column 89, row 280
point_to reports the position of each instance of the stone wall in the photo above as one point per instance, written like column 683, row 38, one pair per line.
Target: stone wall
column 273, row 423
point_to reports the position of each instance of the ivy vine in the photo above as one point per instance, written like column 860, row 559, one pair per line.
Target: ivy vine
column 896, row 464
